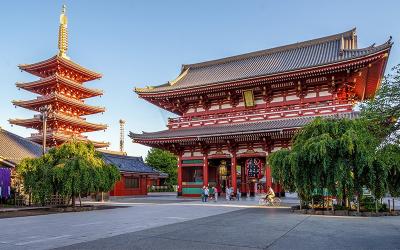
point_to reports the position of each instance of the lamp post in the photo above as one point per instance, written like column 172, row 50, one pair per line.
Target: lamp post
column 45, row 111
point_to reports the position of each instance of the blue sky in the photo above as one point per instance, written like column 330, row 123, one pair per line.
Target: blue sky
column 139, row 43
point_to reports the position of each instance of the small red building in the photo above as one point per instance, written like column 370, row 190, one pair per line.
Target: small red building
column 136, row 176
column 233, row 112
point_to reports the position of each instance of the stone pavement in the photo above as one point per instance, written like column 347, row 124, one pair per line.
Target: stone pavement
column 56, row 230
column 172, row 223
column 257, row 228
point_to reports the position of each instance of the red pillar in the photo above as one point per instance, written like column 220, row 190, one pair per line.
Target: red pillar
column 244, row 180
column 205, row 170
column 179, row 175
column 233, row 173
column 268, row 176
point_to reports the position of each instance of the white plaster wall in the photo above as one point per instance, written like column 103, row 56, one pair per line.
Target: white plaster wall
column 191, row 110
column 276, row 149
column 259, row 101
column 197, row 154
column 225, row 106
column 214, row 107
column 277, row 99
column 324, row 93
column 292, row 97
column 311, row 95
column 241, row 104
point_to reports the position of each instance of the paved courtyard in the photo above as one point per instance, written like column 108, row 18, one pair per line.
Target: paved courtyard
column 167, row 223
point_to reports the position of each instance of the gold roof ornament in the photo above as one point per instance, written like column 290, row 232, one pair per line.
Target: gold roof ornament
column 63, row 34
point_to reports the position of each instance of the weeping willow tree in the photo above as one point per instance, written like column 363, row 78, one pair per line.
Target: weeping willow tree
column 389, row 157
column 36, row 176
column 71, row 170
column 336, row 155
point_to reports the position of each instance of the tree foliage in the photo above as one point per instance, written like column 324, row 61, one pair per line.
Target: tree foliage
column 332, row 154
column 70, row 170
column 282, row 169
column 384, row 110
column 389, row 158
column 165, row 162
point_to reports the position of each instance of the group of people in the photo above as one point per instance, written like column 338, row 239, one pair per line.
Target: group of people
column 212, row 193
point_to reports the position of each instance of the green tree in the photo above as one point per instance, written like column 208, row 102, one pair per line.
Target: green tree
column 74, row 169
column 281, row 169
column 382, row 114
column 164, row 161
column 36, row 174
column 383, row 111
column 389, row 157
column 332, row 154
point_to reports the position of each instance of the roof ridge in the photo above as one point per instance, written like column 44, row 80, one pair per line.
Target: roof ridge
column 270, row 50
column 119, row 156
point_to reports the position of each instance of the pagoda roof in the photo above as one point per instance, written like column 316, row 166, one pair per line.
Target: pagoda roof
column 61, row 138
column 39, row 68
column 54, row 97
column 57, row 79
column 200, row 133
column 14, row 148
column 57, row 117
column 321, row 52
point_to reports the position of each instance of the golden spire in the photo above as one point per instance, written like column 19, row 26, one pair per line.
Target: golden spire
column 63, row 34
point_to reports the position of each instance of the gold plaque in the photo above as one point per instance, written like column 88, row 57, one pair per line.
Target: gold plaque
column 248, row 98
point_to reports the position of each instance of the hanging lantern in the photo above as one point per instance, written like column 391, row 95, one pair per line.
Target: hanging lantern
column 253, row 167
column 223, row 171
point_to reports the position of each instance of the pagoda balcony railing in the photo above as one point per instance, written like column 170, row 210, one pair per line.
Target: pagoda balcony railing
column 61, row 133
column 38, row 116
column 72, row 99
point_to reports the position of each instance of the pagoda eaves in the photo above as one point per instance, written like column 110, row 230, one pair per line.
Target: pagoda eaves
column 62, row 121
column 60, row 103
column 57, row 138
column 59, row 84
column 63, row 67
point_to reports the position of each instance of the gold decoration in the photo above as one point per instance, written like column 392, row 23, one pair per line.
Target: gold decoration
column 222, row 169
column 248, row 98
column 63, row 34
column 183, row 74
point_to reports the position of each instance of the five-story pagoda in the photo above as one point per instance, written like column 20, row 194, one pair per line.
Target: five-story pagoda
column 61, row 94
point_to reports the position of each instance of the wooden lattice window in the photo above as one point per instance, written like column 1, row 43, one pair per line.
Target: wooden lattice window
column 131, row 182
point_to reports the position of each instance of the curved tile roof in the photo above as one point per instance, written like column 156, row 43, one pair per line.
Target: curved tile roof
column 14, row 148
column 303, row 55
column 232, row 129
column 127, row 163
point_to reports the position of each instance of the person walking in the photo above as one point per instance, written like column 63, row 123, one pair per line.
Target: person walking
column 203, row 194
column 227, row 193
column 238, row 194
column 206, row 193
column 231, row 194
column 215, row 194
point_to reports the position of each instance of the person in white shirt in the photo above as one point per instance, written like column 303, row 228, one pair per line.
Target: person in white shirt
column 227, row 193
column 206, row 193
